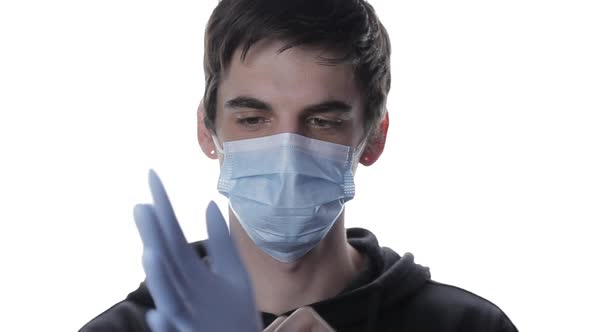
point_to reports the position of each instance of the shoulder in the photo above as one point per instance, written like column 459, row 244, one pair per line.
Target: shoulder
column 440, row 294
column 451, row 306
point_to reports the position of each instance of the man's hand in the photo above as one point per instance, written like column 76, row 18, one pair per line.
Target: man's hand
column 188, row 295
column 304, row 319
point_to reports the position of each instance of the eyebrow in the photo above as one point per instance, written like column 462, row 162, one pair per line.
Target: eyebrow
column 329, row 106
column 332, row 105
column 247, row 102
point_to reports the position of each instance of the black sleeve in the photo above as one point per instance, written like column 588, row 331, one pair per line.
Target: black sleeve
column 125, row 316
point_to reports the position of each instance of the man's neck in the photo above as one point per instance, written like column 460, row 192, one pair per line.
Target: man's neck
column 321, row 274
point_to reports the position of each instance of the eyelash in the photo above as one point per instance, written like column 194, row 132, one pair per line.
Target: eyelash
column 331, row 123
column 245, row 121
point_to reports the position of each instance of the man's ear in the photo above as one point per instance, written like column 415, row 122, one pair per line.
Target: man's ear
column 204, row 134
column 376, row 143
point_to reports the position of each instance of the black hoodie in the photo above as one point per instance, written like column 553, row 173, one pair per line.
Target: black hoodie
column 392, row 293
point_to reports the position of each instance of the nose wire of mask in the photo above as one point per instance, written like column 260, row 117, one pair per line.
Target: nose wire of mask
column 287, row 190
column 356, row 154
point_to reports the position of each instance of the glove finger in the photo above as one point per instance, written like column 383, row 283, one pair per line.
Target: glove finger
column 158, row 322
column 149, row 230
column 163, row 288
column 183, row 255
column 153, row 240
column 225, row 260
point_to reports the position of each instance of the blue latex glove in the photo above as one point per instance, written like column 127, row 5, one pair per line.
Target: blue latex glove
column 188, row 295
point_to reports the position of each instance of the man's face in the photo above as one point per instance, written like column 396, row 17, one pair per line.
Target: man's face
column 290, row 92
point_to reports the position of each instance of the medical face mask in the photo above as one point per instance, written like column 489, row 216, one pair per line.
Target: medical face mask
column 286, row 190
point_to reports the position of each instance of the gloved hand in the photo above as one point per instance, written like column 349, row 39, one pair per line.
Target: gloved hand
column 188, row 295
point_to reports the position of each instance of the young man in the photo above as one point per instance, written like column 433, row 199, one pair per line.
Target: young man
column 295, row 98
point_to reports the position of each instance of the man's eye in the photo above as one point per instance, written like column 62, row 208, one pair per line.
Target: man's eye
column 323, row 123
column 252, row 121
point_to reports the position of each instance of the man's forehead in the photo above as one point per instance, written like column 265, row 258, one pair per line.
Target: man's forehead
column 301, row 69
column 313, row 52
column 267, row 49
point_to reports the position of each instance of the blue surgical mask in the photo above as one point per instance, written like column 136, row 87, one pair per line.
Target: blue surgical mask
column 286, row 190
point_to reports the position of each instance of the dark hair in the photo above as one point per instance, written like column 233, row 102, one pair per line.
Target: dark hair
column 349, row 27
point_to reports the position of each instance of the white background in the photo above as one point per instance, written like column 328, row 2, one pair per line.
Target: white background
column 485, row 176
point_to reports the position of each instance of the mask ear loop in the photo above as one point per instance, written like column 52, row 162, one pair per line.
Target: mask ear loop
column 217, row 145
column 358, row 151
